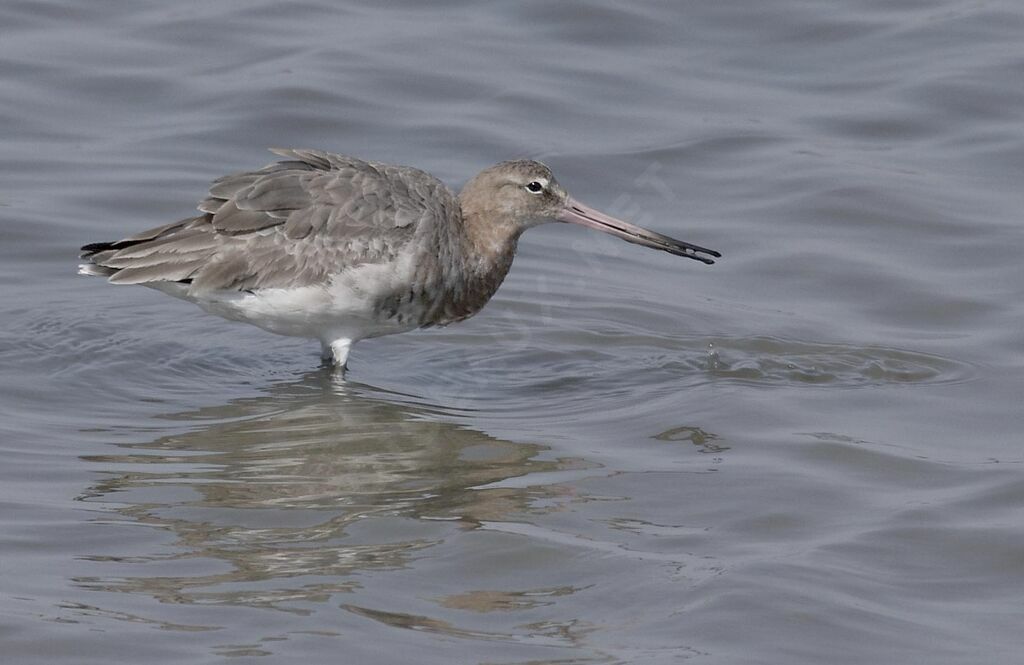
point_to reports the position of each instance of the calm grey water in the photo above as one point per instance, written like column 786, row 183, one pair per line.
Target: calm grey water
column 808, row 453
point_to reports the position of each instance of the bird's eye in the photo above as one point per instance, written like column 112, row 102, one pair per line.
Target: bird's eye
column 535, row 187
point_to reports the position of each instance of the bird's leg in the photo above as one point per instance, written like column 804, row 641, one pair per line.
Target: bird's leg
column 339, row 352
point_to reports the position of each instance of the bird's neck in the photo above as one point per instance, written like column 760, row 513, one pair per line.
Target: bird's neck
column 489, row 229
column 488, row 245
column 478, row 258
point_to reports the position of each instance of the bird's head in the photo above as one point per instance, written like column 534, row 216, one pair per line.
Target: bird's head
column 511, row 197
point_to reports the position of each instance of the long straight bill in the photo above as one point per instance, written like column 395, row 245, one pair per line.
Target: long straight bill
column 577, row 213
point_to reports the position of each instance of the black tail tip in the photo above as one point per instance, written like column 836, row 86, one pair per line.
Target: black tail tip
column 94, row 247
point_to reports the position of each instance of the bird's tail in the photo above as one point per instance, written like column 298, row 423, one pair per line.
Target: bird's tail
column 145, row 257
column 91, row 268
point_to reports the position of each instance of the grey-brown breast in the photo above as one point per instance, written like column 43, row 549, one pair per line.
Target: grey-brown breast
column 292, row 223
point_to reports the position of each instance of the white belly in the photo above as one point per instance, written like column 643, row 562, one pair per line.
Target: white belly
column 345, row 307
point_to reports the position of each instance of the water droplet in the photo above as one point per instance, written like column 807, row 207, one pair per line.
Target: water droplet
column 713, row 360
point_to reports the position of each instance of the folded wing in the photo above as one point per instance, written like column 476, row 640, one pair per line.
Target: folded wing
column 290, row 224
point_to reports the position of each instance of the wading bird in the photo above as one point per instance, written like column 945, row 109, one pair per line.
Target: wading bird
column 339, row 249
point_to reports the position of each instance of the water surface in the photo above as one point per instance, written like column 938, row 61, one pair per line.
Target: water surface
column 809, row 452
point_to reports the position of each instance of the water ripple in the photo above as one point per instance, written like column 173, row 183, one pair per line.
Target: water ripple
column 769, row 360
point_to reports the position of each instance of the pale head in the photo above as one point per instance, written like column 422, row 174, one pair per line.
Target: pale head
column 517, row 194
column 510, row 197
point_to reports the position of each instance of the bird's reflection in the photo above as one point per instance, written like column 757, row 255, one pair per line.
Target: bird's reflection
column 284, row 497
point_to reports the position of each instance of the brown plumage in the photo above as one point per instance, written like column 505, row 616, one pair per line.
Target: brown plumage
column 340, row 249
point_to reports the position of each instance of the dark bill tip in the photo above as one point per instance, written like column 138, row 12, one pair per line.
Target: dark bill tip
column 577, row 213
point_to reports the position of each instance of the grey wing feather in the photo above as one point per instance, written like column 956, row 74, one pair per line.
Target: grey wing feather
column 291, row 223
